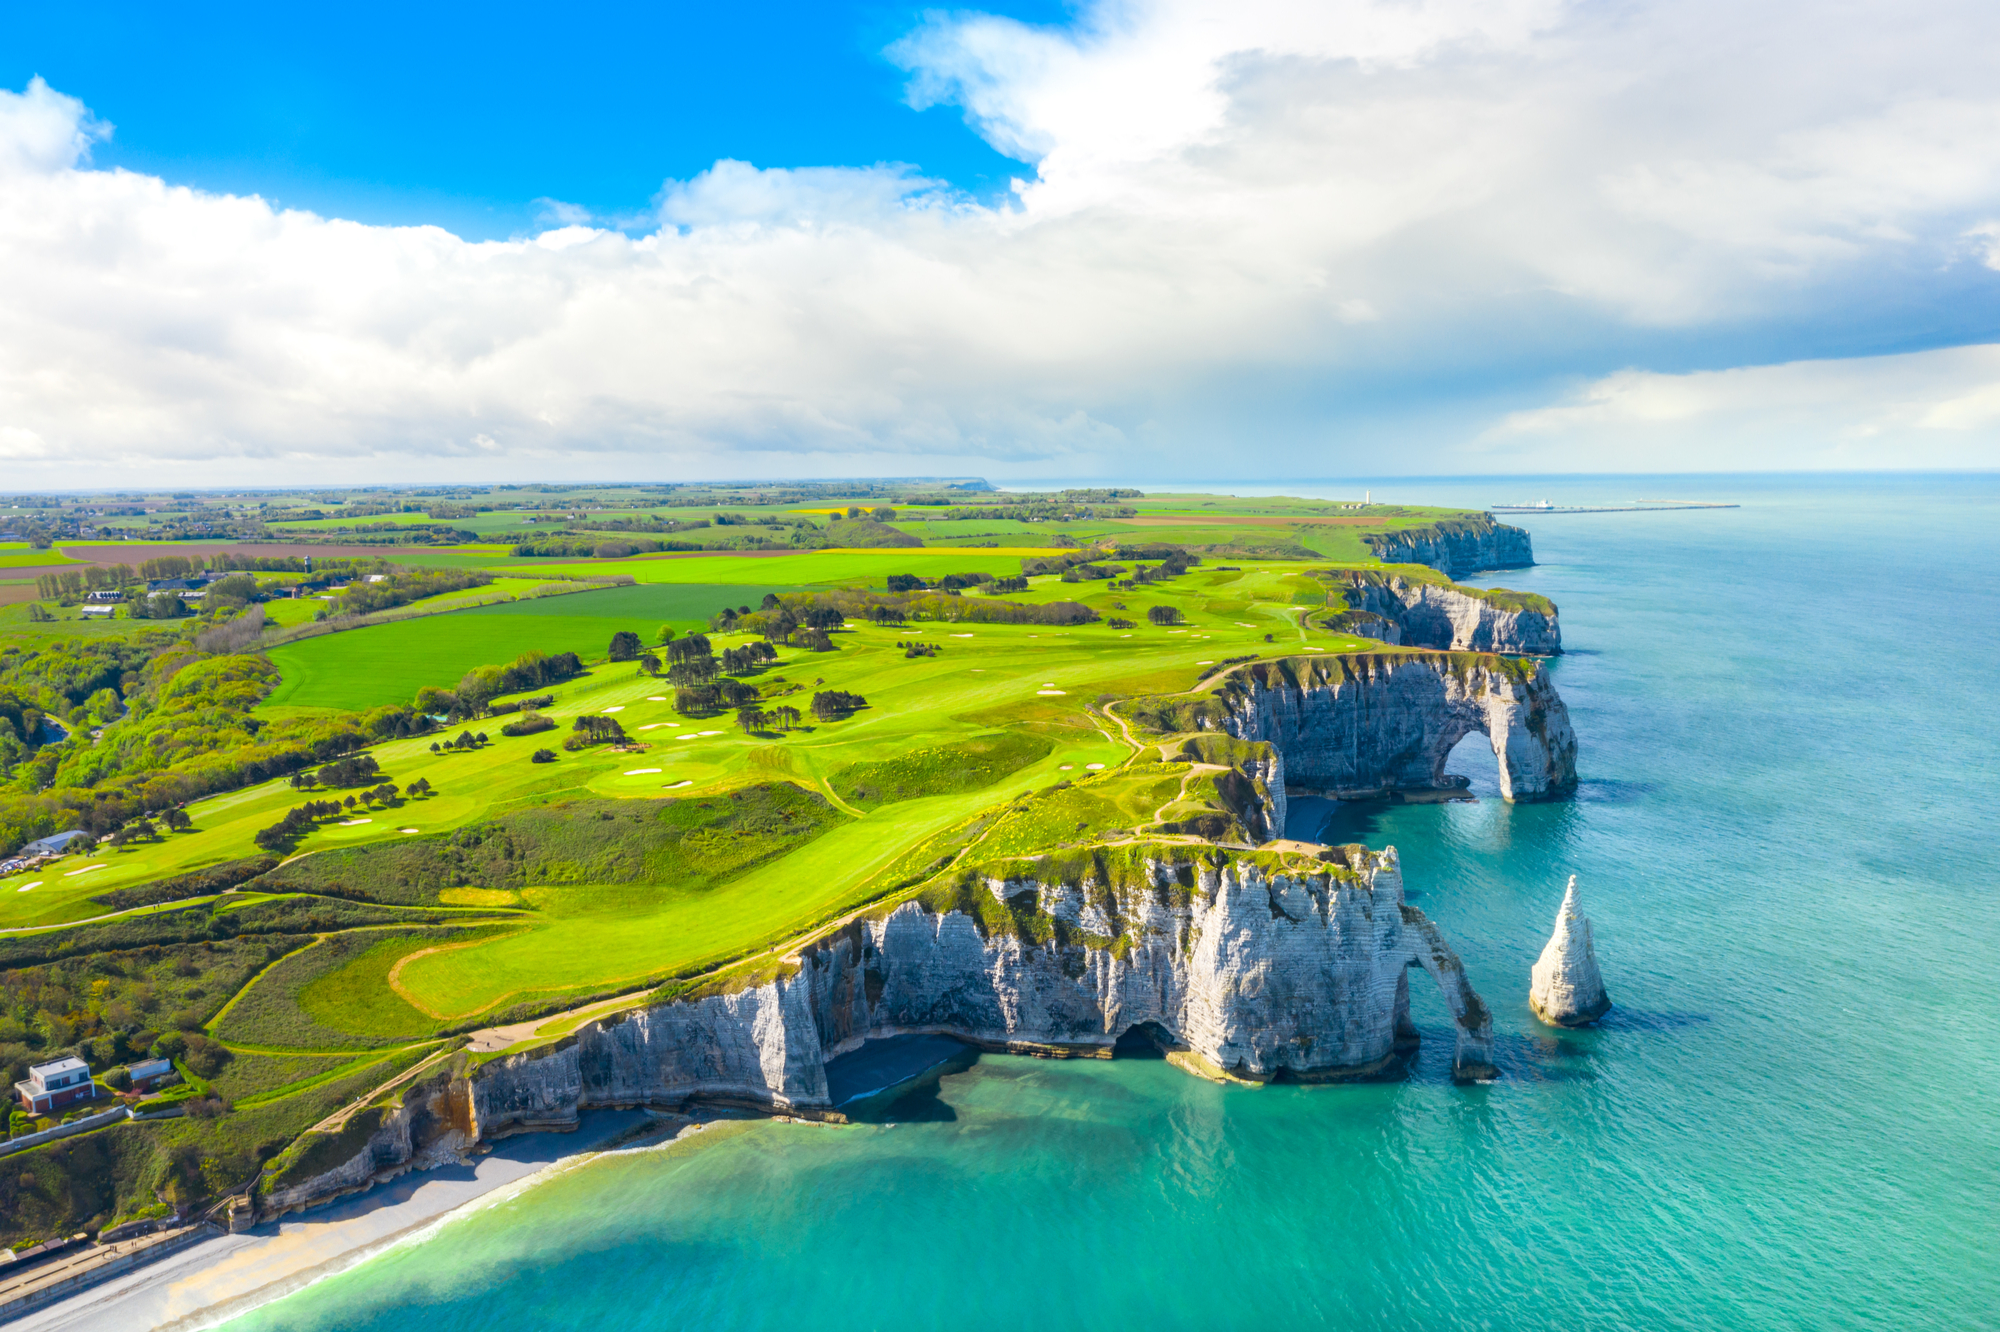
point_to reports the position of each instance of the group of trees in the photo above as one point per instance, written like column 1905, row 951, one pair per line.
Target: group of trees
column 594, row 730
column 1064, row 509
column 948, row 583
column 350, row 771
column 185, row 729
column 478, row 687
column 707, row 699
column 466, row 741
column 300, row 820
column 748, row 658
column 1163, row 615
column 401, row 588
column 833, row 705
column 838, row 606
column 756, row 719
column 916, row 649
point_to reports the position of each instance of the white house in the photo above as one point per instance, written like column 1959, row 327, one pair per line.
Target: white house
column 49, row 1087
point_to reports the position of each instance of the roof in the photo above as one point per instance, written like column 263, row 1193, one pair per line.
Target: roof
column 69, row 1064
column 56, row 842
column 150, row 1068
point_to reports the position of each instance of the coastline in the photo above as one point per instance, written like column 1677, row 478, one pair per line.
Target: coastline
column 225, row 1277
column 222, row 1278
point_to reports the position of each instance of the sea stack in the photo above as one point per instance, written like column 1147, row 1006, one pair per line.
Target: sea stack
column 1567, row 990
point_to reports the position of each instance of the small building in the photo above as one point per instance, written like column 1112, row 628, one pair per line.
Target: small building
column 99, row 612
column 375, row 578
column 150, row 1073
column 51, row 846
column 50, row 1087
column 104, row 594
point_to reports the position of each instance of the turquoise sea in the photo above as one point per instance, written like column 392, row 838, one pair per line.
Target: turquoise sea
column 1786, row 837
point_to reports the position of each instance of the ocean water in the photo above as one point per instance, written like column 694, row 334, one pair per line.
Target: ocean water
column 1786, row 837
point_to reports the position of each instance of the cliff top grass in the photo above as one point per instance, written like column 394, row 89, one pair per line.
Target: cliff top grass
column 697, row 855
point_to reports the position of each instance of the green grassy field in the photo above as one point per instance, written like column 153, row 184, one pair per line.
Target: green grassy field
column 388, row 663
column 804, row 568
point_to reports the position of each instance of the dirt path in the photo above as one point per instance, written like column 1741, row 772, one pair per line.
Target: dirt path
column 337, row 1121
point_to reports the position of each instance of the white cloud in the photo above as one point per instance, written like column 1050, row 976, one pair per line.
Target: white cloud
column 1933, row 409
column 1250, row 228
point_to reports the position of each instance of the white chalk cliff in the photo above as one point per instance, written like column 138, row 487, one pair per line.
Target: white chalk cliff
column 1362, row 724
column 1566, row 989
column 1250, row 966
column 1422, row 612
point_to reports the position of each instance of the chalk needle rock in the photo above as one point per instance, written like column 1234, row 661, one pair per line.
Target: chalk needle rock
column 1567, row 990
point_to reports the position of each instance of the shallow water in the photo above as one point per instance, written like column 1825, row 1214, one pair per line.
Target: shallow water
column 1785, row 835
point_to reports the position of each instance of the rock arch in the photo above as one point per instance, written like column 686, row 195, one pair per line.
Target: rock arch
column 1362, row 724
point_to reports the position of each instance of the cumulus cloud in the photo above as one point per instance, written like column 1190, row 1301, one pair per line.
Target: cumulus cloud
column 1308, row 238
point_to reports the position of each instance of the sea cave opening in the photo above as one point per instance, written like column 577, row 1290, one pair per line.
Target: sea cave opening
column 1143, row 1040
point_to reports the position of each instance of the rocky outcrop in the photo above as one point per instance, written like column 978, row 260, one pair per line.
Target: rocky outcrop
column 1456, row 547
column 1424, row 612
column 1248, row 966
column 1251, row 789
column 1367, row 724
column 1566, row 989
column 426, row 1126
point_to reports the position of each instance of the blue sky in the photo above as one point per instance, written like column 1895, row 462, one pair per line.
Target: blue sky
column 464, row 116
column 1114, row 238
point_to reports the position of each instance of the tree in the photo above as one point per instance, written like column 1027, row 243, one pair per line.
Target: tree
column 649, row 663
column 178, row 820
column 542, row 756
column 624, row 645
column 1163, row 615
column 751, row 719
column 666, row 635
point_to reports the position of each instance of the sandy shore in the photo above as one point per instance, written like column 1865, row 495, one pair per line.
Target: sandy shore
column 229, row 1275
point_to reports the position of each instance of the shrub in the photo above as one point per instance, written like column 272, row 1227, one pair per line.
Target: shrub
column 542, row 756
column 532, row 724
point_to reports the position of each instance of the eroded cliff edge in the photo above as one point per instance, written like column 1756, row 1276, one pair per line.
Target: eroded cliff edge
column 1364, row 724
column 1456, row 546
column 1252, row 965
column 1420, row 609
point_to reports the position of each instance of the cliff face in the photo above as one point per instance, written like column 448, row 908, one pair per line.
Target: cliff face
column 1245, row 966
column 1413, row 613
column 1456, row 547
column 1369, row 723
